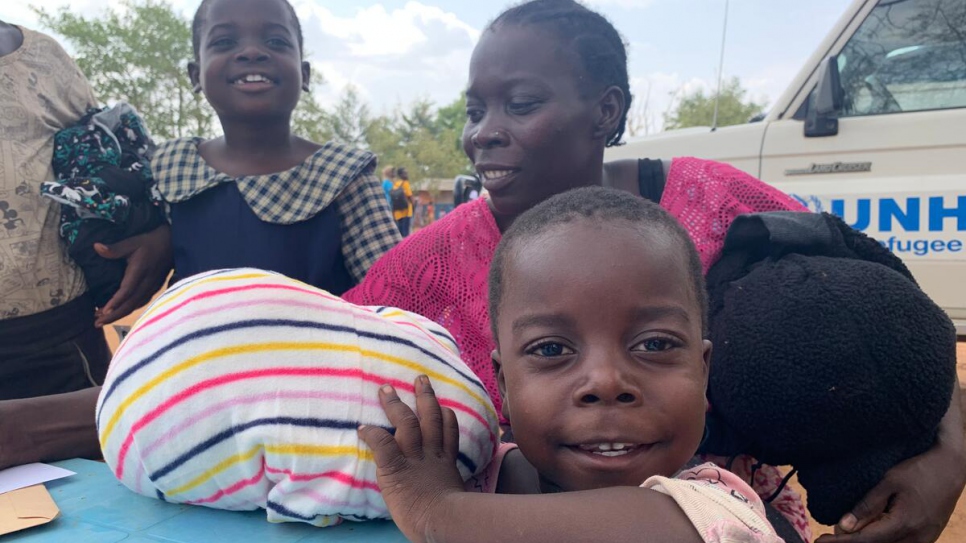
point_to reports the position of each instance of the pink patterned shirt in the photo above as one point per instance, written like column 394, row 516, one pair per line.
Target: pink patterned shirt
column 719, row 504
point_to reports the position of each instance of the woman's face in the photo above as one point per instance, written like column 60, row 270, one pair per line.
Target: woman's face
column 531, row 132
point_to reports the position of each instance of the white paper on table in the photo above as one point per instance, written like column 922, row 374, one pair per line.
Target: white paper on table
column 29, row 475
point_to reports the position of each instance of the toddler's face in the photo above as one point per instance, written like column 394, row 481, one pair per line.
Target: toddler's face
column 603, row 367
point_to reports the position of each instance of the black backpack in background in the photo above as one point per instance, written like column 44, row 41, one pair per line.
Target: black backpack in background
column 397, row 196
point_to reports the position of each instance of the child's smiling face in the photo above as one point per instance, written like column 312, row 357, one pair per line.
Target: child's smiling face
column 603, row 365
column 250, row 63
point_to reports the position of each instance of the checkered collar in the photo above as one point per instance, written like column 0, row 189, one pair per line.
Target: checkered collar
column 286, row 197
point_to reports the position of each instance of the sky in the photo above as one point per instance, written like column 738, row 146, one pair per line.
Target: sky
column 397, row 51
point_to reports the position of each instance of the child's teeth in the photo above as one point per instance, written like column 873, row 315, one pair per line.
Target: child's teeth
column 611, row 453
column 602, row 448
column 252, row 78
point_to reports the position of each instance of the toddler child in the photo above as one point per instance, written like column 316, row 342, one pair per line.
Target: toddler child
column 599, row 311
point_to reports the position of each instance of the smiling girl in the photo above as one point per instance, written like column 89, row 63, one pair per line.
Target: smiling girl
column 260, row 196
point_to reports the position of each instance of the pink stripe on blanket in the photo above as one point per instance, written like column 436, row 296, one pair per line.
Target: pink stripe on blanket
column 274, row 372
column 366, row 314
column 233, row 488
column 356, row 399
column 147, row 451
column 343, row 478
column 342, row 506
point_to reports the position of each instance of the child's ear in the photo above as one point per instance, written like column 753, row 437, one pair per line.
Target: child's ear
column 610, row 111
column 194, row 74
column 501, row 383
column 306, row 75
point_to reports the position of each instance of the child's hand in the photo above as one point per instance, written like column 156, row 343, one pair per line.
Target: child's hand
column 417, row 467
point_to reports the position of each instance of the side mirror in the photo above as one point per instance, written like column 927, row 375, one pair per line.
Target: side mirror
column 826, row 101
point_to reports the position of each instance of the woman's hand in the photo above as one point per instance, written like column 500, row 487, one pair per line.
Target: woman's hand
column 149, row 259
column 914, row 501
column 417, row 466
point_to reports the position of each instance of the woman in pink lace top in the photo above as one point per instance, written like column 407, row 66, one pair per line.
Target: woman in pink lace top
column 543, row 102
column 440, row 272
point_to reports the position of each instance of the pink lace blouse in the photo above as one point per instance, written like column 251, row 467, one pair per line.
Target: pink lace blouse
column 441, row 271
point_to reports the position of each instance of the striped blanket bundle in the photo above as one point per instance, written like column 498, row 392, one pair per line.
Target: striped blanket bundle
column 242, row 389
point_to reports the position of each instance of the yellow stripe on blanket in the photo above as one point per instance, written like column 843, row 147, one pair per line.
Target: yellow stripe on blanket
column 282, row 346
column 294, row 449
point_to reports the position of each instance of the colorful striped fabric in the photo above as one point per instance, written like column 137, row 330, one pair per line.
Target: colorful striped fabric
column 240, row 389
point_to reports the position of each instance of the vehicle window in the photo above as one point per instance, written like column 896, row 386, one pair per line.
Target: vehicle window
column 908, row 55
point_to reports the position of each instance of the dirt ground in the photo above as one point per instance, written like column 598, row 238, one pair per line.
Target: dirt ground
column 955, row 531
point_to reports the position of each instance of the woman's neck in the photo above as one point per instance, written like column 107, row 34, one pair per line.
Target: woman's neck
column 593, row 178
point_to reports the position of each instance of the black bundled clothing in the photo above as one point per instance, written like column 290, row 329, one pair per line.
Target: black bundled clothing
column 827, row 356
column 106, row 191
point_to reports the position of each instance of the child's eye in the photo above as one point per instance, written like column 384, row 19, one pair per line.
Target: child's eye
column 221, row 43
column 550, row 349
column 278, row 42
column 522, row 108
column 655, row 344
column 474, row 115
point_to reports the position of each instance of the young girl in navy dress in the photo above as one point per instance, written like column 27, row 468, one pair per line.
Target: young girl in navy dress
column 260, row 196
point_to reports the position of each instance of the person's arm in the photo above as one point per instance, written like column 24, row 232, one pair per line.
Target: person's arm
column 149, row 261
column 423, row 490
column 368, row 230
column 49, row 428
column 149, row 255
column 914, row 501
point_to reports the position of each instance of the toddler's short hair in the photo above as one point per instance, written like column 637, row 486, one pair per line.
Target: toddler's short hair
column 599, row 205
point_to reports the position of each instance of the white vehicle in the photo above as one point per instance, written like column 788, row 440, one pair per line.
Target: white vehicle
column 872, row 129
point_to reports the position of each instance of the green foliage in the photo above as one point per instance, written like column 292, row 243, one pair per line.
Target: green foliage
column 697, row 108
column 349, row 121
column 423, row 139
column 140, row 55
column 310, row 119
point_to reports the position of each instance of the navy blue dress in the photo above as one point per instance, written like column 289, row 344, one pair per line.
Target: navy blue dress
column 322, row 222
column 217, row 229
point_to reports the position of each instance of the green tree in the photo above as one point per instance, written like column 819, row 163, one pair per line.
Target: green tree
column 310, row 120
column 139, row 55
column 350, row 120
column 697, row 108
column 423, row 139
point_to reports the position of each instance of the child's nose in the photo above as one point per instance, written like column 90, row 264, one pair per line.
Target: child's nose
column 606, row 383
column 252, row 53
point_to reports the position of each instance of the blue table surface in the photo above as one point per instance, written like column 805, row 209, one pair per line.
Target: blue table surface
column 96, row 508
